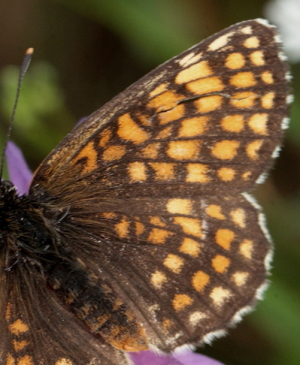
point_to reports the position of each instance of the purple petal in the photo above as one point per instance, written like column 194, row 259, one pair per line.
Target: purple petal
column 184, row 358
column 18, row 170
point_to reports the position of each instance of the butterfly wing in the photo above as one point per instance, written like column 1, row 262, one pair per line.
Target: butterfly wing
column 149, row 190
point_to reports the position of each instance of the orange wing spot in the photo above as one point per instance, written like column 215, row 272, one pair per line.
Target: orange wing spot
column 197, row 172
column 220, row 42
column 109, row 215
column 139, row 228
column 246, row 248
column 105, row 136
column 90, row 154
column 243, row 79
column 238, row 217
column 257, row 58
column 205, row 86
column 144, row 119
column 167, row 324
column 122, row 228
column 181, row 301
column 193, row 127
column 18, row 327
column 224, row 238
column 156, row 221
column 165, row 133
column 158, row 279
column 226, row 174
column 64, row 361
column 267, row 101
column 219, row 295
column 158, row 90
column 165, row 101
column 151, row 151
column 233, row 123
column 158, row 236
column 225, row 150
column 174, row 263
column 243, row 99
column 194, row 72
column 19, row 345
column 130, row 131
column 208, row 103
column 137, row 171
column 253, row 149
column 251, row 42
column 174, row 113
column 214, row 211
column 191, row 226
column 179, row 206
column 184, row 150
column 267, row 77
column 8, row 311
column 246, row 175
column 163, row 170
column 199, row 280
column 26, row 360
column 220, row 263
column 113, row 153
column 10, row 360
column 190, row 247
column 235, row 60
column 240, row 278
column 258, row 123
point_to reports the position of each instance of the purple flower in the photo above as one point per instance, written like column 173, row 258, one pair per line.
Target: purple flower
column 20, row 175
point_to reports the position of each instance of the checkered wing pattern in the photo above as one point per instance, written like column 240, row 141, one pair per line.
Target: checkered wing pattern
column 147, row 198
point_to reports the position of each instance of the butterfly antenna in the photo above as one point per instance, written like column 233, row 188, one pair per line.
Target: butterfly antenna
column 23, row 69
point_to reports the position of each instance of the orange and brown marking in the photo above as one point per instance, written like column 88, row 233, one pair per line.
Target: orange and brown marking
column 196, row 71
column 114, row 152
column 165, row 133
column 233, row 123
column 258, row 123
column 163, row 170
column 25, row 360
column 18, row 327
column 158, row 278
column 144, row 119
column 179, row 206
column 167, row 324
column 253, row 148
column 181, row 301
column 122, row 228
column 8, row 311
column 219, row 295
column 109, row 215
column 214, row 211
column 64, row 361
column 251, row 42
column 257, row 58
column 246, row 248
column 243, row 79
column 220, row 263
column 205, row 86
column 190, row 247
column 193, row 127
column 184, row 150
column 235, row 60
column 208, row 103
column 139, row 228
column 174, row 263
column 226, row 173
column 197, row 172
column 151, row 151
column 158, row 236
column 220, row 42
column 238, row 216
column 224, row 238
column 159, row 89
column 225, row 150
column 105, row 136
column 246, row 175
column 267, row 77
column 267, row 101
column 190, row 226
column 90, row 154
column 137, row 171
column 130, row 131
column 19, row 345
column 174, row 113
column 199, row 280
column 243, row 99
column 165, row 101
column 156, row 221
column 240, row 278
column 196, row 317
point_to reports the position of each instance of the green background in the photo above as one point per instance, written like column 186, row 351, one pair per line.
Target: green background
column 88, row 51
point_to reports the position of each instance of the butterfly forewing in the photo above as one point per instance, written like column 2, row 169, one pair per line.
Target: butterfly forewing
column 148, row 197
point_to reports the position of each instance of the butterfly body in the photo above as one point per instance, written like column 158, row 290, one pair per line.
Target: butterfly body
column 138, row 231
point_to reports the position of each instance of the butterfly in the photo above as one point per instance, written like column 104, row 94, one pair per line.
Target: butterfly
column 138, row 232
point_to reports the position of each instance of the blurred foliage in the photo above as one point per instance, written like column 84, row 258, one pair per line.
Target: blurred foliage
column 87, row 52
